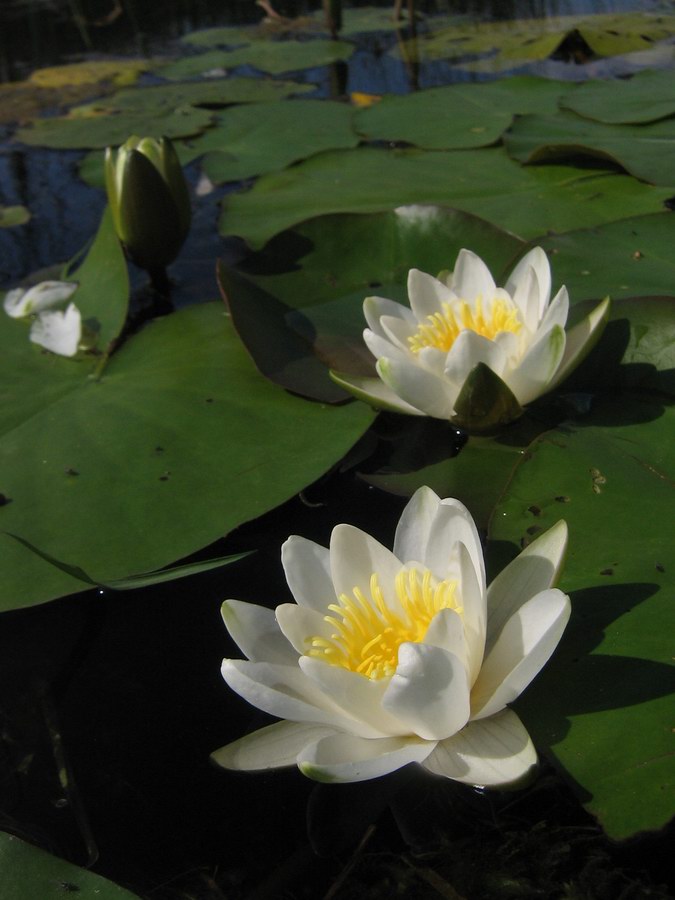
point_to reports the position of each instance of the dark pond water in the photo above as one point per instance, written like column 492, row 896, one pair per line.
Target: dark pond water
column 131, row 682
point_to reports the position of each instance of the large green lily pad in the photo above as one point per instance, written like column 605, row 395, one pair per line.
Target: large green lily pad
column 601, row 706
column 646, row 97
column 227, row 36
column 528, row 201
column 180, row 441
column 29, row 873
column 646, row 151
column 274, row 57
column 266, row 137
column 457, row 116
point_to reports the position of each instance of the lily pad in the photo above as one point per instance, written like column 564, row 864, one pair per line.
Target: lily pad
column 180, row 441
column 229, row 36
column 525, row 201
column 13, row 215
column 120, row 72
column 601, row 706
column 646, row 151
column 274, row 57
column 250, row 140
column 29, row 872
column 458, row 116
column 365, row 19
column 646, row 97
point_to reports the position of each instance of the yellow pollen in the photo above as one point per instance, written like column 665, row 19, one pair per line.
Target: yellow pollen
column 368, row 633
column 443, row 328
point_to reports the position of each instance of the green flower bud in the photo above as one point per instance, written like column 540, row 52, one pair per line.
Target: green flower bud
column 149, row 200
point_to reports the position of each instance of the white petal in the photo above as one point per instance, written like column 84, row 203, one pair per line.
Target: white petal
column 453, row 525
column 557, row 312
column 581, row 339
column 381, row 346
column 447, row 632
column 535, row 569
column 376, row 307
column 538, row 367
column 487, row 753
column 271, row 747
column 20, row 302
column 299, row 624
column 526, row 295
column 307, row 569
column 414, row 526
column 538, row 261
column 285, row 692
column 59, row 332
column 474, row 611
column 398, row 332
column 354, row 557
column 524, row 646
column 374, row 392
column 256, row 633
column 359, row 697
column 344, row 758
column 468, row 350
column 426, row 294
column 420, row 388
column 471, row 277
column 429, row 693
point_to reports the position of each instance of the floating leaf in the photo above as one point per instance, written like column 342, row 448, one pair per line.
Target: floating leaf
column 250, row 140
column 457, row 116
column 179, row 442
column 228, row 36
column 601, row 705
column 274, row 57
column 526, row 201
column 29, row 872
column 646, row 97
column 646, row 151
column 120, row 72
column 13, row 215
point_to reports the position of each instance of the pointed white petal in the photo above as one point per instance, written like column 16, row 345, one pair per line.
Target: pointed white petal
column 534, row 376
column 488, row 753
column 426, row 294
column 526, row 295
column 523, row 647
column 418, row 387
column 414, row 526
column 299, row 624
column 398, row 332
column 359, row 697
column 287, row 693
column 57, row 331
column 345, row 758
column 446, row 631
column 20, row 302
column 538, row 261
column 474, row 611
column 453, row 525
column 307, row 569
column 272, row 747
column 469, row 349
column 374, row 392
column 557, row 312
column 535, row 569
column 354, row 557
column 376, row 307
column 429, row 693
column 381, row 346
column 471, row 277
column 581, row 339
column 256, row 633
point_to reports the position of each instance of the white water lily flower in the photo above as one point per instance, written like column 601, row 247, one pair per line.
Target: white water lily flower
column 58, row 331
column 389, row 658
column 425, row 354
column 21, row 302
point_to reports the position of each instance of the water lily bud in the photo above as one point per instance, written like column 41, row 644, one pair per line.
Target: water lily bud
column 149, row 200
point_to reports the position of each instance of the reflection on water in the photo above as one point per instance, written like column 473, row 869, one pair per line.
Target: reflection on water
column 35, row 33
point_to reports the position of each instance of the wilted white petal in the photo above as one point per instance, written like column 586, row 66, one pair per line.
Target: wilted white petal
column 255, row 631
column 20, row 302
column 489, row 753
column 272, row 747
column 429, row 693
column 346, row 758
column 523, row 647
column 57, row 331
column 307, row 570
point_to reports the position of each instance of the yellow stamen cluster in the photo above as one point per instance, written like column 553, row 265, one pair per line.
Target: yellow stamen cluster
column 368, row 633
column 443, row 328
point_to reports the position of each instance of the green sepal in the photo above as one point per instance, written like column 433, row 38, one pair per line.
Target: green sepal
column 485, row 403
